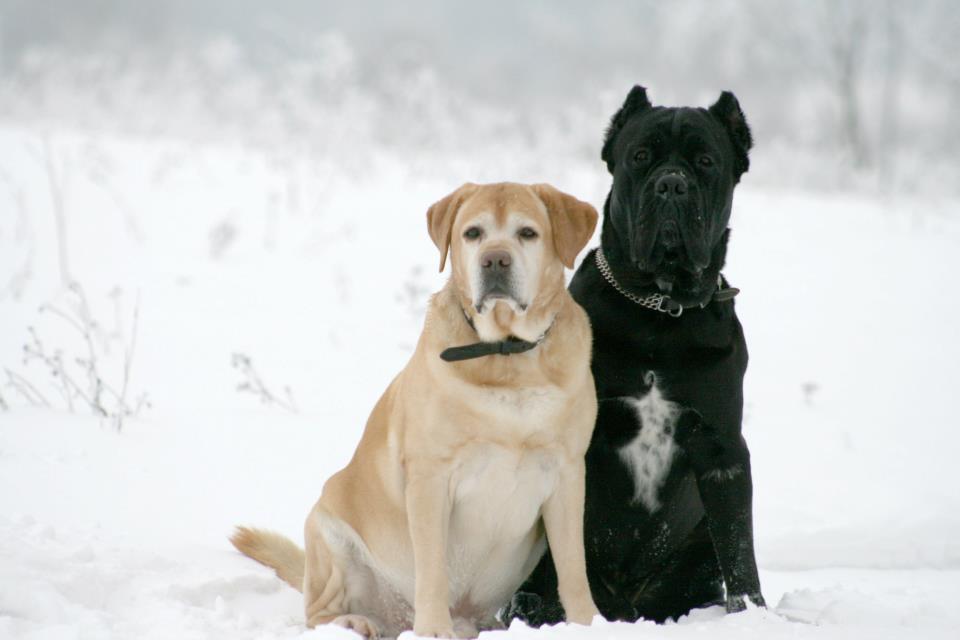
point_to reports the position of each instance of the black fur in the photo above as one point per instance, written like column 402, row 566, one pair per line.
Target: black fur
column 636, row 101
column 661, row 564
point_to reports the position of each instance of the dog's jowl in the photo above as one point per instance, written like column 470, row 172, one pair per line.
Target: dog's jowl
column 669, row 489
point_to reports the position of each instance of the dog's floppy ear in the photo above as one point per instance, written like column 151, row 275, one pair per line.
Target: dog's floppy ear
column 636, row 101
column 727, row 110
column 440, row 217
column 572, row 221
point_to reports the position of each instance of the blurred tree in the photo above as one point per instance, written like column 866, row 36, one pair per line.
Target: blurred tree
column 819, row 42
column 889, row 136
column 847, row 27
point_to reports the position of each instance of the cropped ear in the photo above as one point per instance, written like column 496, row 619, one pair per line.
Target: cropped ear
column 727, row 110
column 440, row 217
column 636, row 102
column 571, row 220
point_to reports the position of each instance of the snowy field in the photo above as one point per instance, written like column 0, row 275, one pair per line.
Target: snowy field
column 317, row 271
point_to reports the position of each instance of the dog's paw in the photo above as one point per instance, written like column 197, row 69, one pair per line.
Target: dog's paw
column 434, row 632
column 433, row 628
column 757, row 599
column 531, row 609
column 464, row 629
column 583, row 615
column 737, row 603
column 361, row 624
column 523, row 606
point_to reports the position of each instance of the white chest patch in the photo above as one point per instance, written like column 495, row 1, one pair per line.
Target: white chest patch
column 649, row 454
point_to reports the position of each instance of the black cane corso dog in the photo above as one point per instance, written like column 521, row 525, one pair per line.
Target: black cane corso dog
column 668, row 517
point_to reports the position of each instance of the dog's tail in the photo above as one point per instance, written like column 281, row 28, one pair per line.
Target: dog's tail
column 273, row 550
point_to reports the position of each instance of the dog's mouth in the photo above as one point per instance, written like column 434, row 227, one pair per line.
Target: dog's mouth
column 494, row 292
column 671, row 241
column 669, row 261
column 674, row 255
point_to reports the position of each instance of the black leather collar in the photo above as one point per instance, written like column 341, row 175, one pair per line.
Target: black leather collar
column 506, row 347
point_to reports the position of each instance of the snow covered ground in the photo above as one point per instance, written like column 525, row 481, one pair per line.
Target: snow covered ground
column 318, row 271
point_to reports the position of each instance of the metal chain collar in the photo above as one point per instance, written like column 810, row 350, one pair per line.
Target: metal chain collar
column 654, row 301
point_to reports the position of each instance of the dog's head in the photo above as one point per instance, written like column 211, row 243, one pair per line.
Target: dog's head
column 674, row 170
column 509, row 242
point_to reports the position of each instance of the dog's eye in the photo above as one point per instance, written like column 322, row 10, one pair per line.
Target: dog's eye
column 527, row 233
column 642, row 155
column 705, row 161
column 472, row 233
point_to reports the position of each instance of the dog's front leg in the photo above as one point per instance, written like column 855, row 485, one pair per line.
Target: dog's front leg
column 428, row 514
column 563, row 519
column 721, row 462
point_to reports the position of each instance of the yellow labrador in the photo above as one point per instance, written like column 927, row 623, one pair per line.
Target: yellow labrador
column 476, row 449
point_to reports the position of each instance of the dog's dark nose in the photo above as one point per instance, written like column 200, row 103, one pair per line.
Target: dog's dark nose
column 671, row 185
column 495, row 260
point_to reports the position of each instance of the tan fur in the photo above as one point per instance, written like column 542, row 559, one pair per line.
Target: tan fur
column 571, row 221
column 440, row 219
column 273, row 550
column 464, row 466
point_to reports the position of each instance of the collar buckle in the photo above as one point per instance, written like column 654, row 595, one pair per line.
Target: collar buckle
column 663, row 306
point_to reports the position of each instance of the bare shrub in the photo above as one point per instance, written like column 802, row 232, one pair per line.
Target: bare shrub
column 253, row 383
column 80, row 378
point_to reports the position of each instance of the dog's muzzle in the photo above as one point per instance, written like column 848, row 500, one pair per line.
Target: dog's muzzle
column 679, row 241
column 497, row 280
